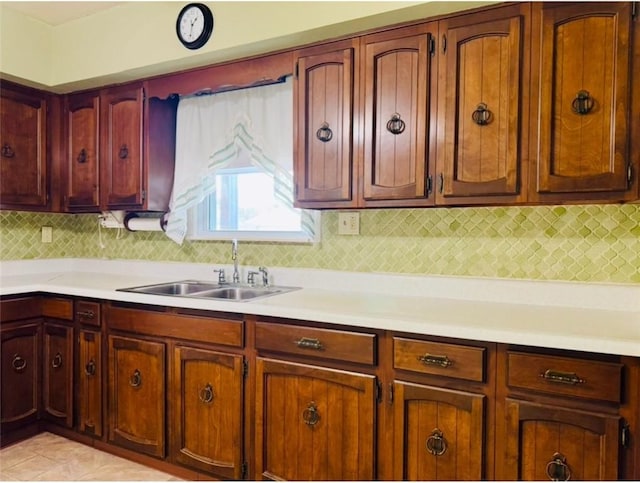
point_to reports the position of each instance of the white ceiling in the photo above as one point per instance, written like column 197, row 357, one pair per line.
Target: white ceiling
column 56, row 13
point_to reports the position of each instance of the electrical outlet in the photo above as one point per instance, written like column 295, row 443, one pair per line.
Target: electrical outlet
column 349, row 223
column 47, row 234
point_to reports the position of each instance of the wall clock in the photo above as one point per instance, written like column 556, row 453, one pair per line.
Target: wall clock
column 194, row 25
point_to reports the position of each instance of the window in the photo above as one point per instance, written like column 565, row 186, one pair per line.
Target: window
column 233, row 176
column 244, row 207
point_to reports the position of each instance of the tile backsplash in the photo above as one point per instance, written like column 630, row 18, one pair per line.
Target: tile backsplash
column 575, row 243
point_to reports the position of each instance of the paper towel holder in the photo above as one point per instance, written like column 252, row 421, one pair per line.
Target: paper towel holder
column 132, row 222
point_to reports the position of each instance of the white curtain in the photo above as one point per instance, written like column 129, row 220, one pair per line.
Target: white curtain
column 253, row 125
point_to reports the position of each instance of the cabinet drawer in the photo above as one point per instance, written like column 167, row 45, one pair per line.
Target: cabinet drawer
column 309, row 341
column 57, row 308
column 19, row 309
column 87, row 313
column 436, row 358
column 213, row 330
column 565, row 376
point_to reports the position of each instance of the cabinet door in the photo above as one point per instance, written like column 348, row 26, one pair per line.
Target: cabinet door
column 137, row 394
column 90, row 383
column 206, row 399
column 439, row 433
column 20, row 375
column 122, row 159
column 324, row 94
column 483, row 73
column 313, row 423
column 397, row 80
column 83, row 152
column 545, row 442
column 57, row 365
column 584, row 90
column 23, row 149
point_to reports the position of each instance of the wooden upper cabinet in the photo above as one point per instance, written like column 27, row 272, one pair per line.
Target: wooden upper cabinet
column 23, row 148
column 82, row 114
column 397, row 113
column 122, row 135
column 583, row 91
column 483, row 79
column 324, row 95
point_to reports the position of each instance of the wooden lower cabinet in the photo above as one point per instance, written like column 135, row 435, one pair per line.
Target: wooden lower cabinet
column 545, row 442
column 206, row 396
column 313, row 423
column 136, row 390
column 20, row 349
column 90, row 382
column 438, row 433
column 57, row 373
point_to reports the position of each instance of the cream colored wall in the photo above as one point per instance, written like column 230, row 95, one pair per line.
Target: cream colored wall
column 137, row 39
column 26, row 47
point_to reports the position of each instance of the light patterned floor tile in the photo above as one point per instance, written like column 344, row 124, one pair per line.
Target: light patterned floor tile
column 48, row 457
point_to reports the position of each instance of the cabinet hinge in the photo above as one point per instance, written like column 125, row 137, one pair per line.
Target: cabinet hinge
column 625, row 436
column 297, row 71
column 244, row 469
column 432, row 45
column 245, row 369
column 378, row 391
column 144, row 195
column 429, row 184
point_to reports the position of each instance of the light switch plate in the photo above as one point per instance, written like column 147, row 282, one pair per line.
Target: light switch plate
column 47, row 234
column 349, row 223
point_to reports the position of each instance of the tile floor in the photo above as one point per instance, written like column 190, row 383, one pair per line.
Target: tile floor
column 48, row 457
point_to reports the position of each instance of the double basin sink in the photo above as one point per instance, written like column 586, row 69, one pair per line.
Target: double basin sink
column 210, row 290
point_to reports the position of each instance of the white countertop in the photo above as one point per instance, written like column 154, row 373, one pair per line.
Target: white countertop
column 589, row 317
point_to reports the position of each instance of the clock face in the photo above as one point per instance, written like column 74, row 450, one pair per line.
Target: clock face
column 194, row 25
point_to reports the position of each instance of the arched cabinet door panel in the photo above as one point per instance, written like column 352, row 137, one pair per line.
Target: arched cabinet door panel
column 583, row 90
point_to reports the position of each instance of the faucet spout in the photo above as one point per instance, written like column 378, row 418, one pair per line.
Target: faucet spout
column 234, row 257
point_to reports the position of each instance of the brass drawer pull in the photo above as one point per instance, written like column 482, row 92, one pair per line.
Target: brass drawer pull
column 310, row 415
column 136, row 379
column 86, row 314
column 90, row 368
column 433, row 360
column 56, row 362
column 436, row 444
column 206, row 394
column 562, row 377
column 557, row 469
column 309, row 343
column 18, row 363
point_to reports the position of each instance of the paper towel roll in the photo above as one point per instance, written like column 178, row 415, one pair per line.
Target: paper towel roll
column 144, row 224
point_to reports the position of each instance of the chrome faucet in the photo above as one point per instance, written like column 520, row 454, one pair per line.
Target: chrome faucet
column 265, row 276
column 234, row 257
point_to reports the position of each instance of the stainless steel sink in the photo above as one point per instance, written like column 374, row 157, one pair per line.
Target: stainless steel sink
column 241, row 294
column 210, row 290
